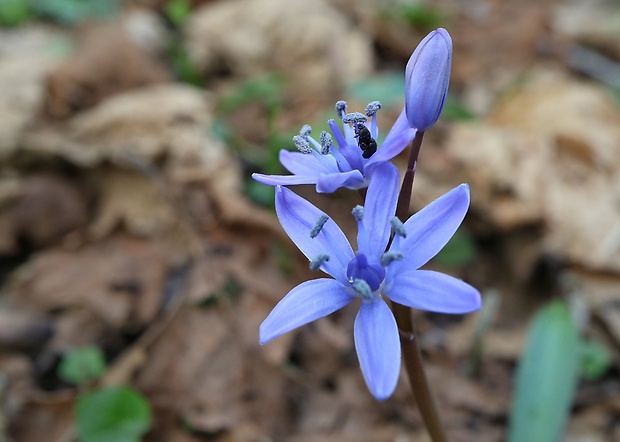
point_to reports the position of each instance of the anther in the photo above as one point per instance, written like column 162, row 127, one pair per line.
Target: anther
column 358, row 213
column 389, row 257
column 317, row 262
column 305, row 131
column 362, row 287
column 398, row 227
column 341, row 109
column 326, row 141
column 318, row 226
column 302, row 144
column 354, row 117
column 372, row 108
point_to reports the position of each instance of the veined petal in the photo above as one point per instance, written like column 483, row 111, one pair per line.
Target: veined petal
column 401, row 124
column 378, row 347
column 284, row 180
column 299, row 163
column 330, row 182
column 433, row 291
column 379, row 207
column 396, row 140
column 298, row 217
column 350, row 153
column 431, row 228
column 307, row 302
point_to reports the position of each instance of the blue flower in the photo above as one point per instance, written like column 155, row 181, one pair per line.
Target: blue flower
column 426, row 79
column 372, row 272
column 349, row 165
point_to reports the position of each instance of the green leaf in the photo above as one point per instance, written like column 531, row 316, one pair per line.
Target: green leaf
column 178, row 11
column 454, row 110
column 116, row 414
column 595, row 360
column 82, row 365
column 14, row 12
column 546, row 377
column 75, row 11
column 459, row 251
column 421, row 16
column 389, row 88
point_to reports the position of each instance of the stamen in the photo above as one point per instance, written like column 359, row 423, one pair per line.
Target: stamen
column 318, row 226
column 326, row 142
column 372, row 108
column 317, row 262
column 362, row 287
column 389, row 257
column 305, row 131
column 341, row 109
column 358, row 213
column 398, row 227
column 302, row 144
column 354, row 117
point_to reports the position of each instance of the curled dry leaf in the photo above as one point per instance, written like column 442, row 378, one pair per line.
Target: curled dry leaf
column 107, row 62
column 311, row 41
column 555, row 160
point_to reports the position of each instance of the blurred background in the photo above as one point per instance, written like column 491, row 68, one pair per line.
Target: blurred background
column 138, row 258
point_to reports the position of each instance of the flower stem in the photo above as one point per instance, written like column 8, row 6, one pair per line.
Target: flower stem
column 409, row 342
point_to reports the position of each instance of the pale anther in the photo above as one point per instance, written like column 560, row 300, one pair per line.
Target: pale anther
column 326, row 142
column 317, row 262
column 305, row 130
column 398, row 227
column 362, row 287
column 358, row 213
column 354, row 117
column 389, row 257
column 372, row 108
column 302, row 144
column 318, row 226
column 341, row 109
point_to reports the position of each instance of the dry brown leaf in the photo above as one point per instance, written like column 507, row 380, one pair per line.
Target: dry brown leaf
column 311, row 41
column 106, row 63
column 549, row 153
column 118, row 279
column 26, row 60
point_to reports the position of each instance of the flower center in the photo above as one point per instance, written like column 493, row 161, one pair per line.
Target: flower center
column 360, row 268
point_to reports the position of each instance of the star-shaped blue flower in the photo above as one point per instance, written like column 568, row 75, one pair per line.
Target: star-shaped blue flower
column 372, row 273
column 330, row 167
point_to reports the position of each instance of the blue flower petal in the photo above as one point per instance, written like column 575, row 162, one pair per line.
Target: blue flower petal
column 330, row 182
column 427, row 76
column 298, row 217
column 299, row 163
column 395, row 142
column 307, row 302
column 433, row 291
column 378, row 347
column 429, row 230
column 284, row 180
column 379, row 207
column 351, row 152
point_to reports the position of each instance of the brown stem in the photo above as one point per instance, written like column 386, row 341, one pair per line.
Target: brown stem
column 409, row 343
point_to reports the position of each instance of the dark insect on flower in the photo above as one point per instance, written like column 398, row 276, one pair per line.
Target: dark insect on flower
column 364, row 140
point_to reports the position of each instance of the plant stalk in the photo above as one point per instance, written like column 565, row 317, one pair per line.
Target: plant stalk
column 409, row 343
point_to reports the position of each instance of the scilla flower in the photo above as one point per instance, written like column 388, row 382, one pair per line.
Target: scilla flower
column 349, row 165
column 372, row 273
column 426, row 79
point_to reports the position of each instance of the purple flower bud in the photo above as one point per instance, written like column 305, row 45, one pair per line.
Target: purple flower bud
column 426, row 79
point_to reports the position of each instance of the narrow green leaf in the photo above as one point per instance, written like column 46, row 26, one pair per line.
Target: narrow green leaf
column 546, row 377
column 116, row 414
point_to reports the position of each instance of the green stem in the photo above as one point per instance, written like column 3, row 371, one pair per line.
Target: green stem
column 409, row 343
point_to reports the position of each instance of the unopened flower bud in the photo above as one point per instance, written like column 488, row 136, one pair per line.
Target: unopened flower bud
column 426, row 79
